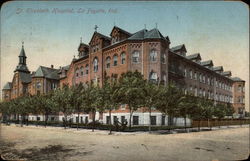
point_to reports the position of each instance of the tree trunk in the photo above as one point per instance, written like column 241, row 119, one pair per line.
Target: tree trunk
column 78, row 120
column 149, row 127
column 36, row 121
column 130, row 117
column 21, row 120
column 93, row 126
column 65, row 121
column 185, row 122
column 199, row 125
column 110, row 130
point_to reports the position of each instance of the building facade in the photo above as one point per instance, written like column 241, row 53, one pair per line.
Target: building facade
column 146, row 51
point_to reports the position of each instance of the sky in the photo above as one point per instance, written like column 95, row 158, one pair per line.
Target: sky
column 51, row 30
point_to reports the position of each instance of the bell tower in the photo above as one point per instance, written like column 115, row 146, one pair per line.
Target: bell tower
column 22, row 67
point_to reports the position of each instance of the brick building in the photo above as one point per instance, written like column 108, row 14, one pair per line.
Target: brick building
column 148, row 52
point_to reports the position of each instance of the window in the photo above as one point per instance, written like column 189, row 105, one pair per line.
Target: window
column 195, row 91
column 81, row 69
column 190, row 88
column 208, row 81
column 38, row 85
column 195, row 75
column 191, row 74
column 123, row 106
column 123, row 58
column 135, row 57
column 204, row 79
column 163, row 58
column 95, row 64
column 153, row 55
column 108, row 62
column 200, row 77
column 204, row 93
column 115, row 59
column 239, row 88
column 153, row 76
column 185, row 72
column 135, row 120
column 152, row 120
column 87, row 69
column 163, row 120
column 123, row 119
column 200, row 92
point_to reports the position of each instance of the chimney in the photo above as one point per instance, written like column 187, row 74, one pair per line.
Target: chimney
column 52, row 66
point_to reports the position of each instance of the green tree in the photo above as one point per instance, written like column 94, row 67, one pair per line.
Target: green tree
column 220, row 111
column 151, row 91
column 168, row 101
column 61, row 99
column 109, row 95
column 131, row 91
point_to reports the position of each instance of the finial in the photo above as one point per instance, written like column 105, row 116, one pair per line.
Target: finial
column 114, row 23
column 96, row 27
column 156, row 25
column 80, row 39
column 74, row 56
column 22, row 44
column 145, row 26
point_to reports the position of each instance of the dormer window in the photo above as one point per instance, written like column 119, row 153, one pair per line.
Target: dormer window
column 163, row 58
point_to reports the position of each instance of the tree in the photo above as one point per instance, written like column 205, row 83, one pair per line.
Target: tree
column 109, row 95
column 76, row 100
column 220, row 111
column 151, row 91
column 131, row 91
column 186, row 106
column 61, row 99
column 169, row 99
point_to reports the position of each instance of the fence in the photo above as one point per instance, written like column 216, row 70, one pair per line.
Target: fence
column 219, row 122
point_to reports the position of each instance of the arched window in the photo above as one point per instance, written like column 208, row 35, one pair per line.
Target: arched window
column 115, row 59
column 153, row 76
column 191, row 74
column 81, row 70
column 153, row 55
column 95, row 64
column 87, row 68
column 77, row 72
column 135, row 57
column 123, row 58
column 163, row 58
column 108, row 62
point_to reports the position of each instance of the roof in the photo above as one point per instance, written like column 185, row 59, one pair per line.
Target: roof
column 219, row 68
column 194, row 56
column 120, row 29
column 237, row 79
column 22, row 68
column 46, row 72
column 226, row 73
column 7, row 86
column 22, row 53
column 179, row 47
column 207, row 63
column 145, row 34
column 25, row 77
column 138, row 35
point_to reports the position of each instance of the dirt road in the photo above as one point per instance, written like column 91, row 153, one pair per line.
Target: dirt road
column 39, row 143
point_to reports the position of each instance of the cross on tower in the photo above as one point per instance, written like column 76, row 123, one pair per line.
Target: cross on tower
column 96, row 27
column 22, row 43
